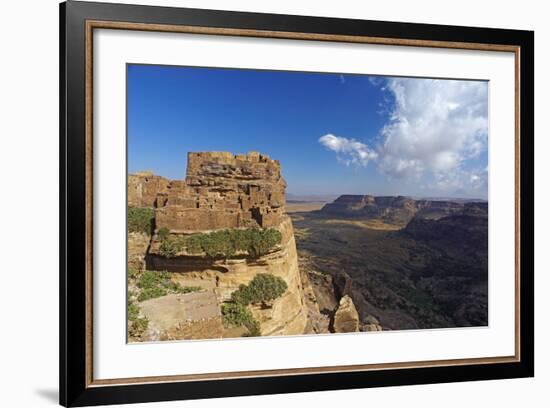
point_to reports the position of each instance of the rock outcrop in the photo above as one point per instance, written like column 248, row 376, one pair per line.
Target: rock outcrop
column 392, row 209
column 346, row 318
column 143, row 189
column 223, row 191
column 318, row 317
column 286, row 315
column 138, row 242
column 184, row 316
column 371, row 324
column 467, row 225
column 323, row 288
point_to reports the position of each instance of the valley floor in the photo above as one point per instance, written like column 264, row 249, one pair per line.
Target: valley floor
column 401, row 281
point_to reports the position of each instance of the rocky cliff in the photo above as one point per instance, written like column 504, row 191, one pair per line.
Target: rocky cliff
column 428, row 272
column 221, row 193
column 397, row 210
column 457, row 277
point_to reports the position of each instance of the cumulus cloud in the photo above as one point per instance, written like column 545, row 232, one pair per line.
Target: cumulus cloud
column 434, row 126
column 348, row 151
column 461, row 181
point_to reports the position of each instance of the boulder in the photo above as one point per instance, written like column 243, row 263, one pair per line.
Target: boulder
column 371, row 323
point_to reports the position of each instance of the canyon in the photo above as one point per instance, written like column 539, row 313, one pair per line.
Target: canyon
column 406, row 263
column 358, row 263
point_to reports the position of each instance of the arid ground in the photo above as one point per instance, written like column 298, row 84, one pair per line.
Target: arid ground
column 407, row 279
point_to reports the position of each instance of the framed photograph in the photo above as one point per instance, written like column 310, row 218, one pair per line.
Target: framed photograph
column 256, row 204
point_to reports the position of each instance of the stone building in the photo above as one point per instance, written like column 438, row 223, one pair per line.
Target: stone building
column 222, row 190
column 143, row 188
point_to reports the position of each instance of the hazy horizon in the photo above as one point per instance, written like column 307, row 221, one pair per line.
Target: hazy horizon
column 334, row 134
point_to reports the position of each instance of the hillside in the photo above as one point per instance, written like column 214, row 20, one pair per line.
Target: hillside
column 395, row 210
column 427, row 272
column 201, row 249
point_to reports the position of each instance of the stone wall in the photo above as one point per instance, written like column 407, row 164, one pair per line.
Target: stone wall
column 222, row 190
column 143, row 189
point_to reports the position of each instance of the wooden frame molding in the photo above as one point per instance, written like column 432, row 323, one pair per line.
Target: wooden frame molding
column 98, row 24
column 289, row 35
column 79, row 20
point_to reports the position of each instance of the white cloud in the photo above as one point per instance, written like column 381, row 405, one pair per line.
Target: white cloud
column 376, row 81
column 435, row 130
column 434, row 127
column 348, row 151
column 472, row 182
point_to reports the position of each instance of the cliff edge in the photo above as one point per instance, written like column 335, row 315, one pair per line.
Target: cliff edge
column 216, row 231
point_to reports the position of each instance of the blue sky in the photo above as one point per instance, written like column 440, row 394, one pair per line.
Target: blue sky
column 332, row 133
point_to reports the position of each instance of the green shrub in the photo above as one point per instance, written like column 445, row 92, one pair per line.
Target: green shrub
column 263, row 288
column 133, row 310
column 262, row 241
column 217, row 243
column 133, row 273
column 141, row 220
column 237, row 314
column 138, row 327
column 171, row 246
column 193, row 245
column 154, row 284
column 254, row 329
column 187, row 289
column 151, row 293
column 224, row 243
column 163, row 233
column 150, row 279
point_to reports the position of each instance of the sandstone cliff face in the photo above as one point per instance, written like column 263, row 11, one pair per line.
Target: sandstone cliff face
column 287, row 315
column 184, row 316
column 223, row 191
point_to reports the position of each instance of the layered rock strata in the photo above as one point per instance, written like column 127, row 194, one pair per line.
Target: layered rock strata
column 393, row 209
column 225, row 191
